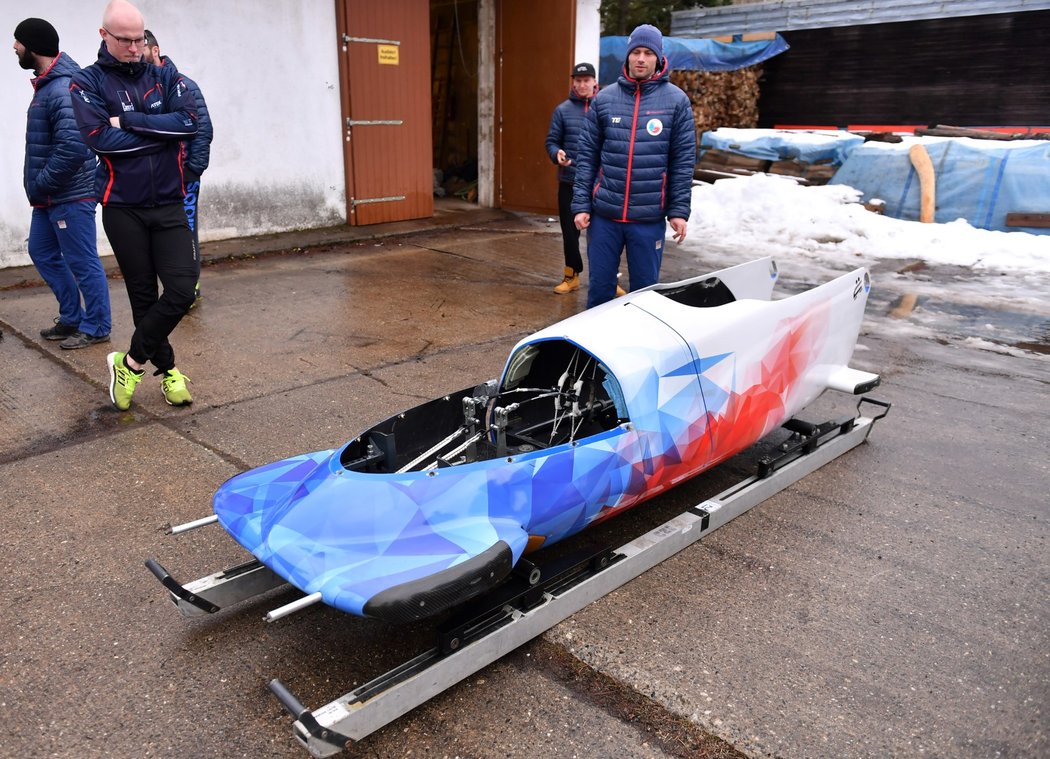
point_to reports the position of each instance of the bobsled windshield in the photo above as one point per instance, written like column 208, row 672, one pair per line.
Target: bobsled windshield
column 561, row 370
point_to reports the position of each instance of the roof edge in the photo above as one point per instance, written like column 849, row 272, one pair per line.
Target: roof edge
column 786, row 15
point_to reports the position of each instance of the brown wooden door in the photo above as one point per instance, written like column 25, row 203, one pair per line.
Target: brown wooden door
column 384, row 72
column 535, row 40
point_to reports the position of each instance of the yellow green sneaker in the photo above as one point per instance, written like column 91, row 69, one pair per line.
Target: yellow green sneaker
column 122, row 381
column 197, row 297
column 173, row 384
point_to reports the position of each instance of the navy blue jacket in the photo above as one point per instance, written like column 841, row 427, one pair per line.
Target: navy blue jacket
column 196, row 152
column 139, row 163
column 564, row 133
column 59, row 168
column 637, row 152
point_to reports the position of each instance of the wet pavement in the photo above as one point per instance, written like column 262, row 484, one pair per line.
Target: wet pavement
column 895, row 602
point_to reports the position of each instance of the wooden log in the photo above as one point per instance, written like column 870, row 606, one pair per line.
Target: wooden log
column 952, row 131
column 880, row 137
column 720, row 159
column 1041, row 220
column 713, row 175
column 788, row 168
column 920, row 159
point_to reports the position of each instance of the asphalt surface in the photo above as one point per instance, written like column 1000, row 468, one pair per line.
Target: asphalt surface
column 894, row 603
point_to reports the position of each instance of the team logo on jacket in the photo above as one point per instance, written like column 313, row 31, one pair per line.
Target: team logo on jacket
column 654, row 127
column 125, row 100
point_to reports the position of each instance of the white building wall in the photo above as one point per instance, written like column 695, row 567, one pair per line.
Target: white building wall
column 488, row 131
column 269, row 71
column 588, row 32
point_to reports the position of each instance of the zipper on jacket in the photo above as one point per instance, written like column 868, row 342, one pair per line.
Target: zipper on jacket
column 630, row 150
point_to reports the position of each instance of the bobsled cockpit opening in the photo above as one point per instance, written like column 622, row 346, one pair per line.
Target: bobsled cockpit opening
column 552, row 393
column 704, row 293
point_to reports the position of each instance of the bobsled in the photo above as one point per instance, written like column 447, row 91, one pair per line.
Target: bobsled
column 591, row 416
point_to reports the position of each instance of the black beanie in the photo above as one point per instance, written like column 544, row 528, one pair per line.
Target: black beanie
column 38, row 36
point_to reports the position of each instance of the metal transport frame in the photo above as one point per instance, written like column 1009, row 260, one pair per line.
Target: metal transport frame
column 534, row 599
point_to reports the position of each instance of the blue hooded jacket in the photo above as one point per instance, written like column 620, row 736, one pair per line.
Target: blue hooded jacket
column 564, row 132
column 59, row 168
column 637, row 152
column 196, row 152
column 139, row 163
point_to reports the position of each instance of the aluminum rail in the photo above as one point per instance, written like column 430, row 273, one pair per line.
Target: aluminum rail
column 355, row 715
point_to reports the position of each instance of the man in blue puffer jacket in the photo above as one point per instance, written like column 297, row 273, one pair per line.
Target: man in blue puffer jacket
column 634, row 169
column 59, row 182
column 564, row 133
column 135, row 117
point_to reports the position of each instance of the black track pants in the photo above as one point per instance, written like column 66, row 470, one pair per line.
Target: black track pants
column 153, row 244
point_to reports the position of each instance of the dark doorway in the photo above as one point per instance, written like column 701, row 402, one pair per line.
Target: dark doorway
column 454, row 97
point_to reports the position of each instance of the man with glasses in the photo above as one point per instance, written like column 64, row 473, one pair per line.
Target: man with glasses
column 135, row 117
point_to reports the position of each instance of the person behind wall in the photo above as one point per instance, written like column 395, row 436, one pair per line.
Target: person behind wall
column 196, row 153
column 564, row 133
column 59, row 183
column 634, row 169
column 134, row 116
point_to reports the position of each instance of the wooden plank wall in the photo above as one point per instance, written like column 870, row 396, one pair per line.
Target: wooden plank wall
column 971, row 71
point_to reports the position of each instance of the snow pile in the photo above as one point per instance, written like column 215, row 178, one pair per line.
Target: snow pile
column 827, row 222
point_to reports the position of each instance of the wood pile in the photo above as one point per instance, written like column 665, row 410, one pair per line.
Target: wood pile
column 817, row 172
column 730, row 99
column 719, row 164
column 721, row 98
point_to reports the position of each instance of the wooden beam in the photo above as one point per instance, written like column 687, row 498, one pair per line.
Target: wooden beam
column 748, row 37
column 920, row 159
column 1028, row 220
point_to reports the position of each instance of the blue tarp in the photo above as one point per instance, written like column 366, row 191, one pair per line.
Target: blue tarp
column 778, row 145
column 691, row 55
column 979, row 181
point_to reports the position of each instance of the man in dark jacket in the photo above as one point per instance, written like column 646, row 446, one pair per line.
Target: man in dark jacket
column 634, row 169
column 196, row 153
column 135, row 117
column 59, row 182
column 564, row 133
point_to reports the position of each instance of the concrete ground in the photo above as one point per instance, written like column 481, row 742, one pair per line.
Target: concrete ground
column 894, row 603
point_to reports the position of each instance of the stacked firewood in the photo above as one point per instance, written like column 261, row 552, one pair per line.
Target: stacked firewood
column 721, row 98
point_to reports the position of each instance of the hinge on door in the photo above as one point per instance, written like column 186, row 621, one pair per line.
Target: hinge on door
column 351, row 123
column 354, row 202
column 347, row 39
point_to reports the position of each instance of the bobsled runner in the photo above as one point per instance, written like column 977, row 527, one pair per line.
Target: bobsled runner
column 591, row 416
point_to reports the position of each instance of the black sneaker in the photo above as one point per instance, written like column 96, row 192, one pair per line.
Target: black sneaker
column 82, row 340
column 60, row 331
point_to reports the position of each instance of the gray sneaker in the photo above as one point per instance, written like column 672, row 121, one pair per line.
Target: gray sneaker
column 82, row 340
column 59, row 332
